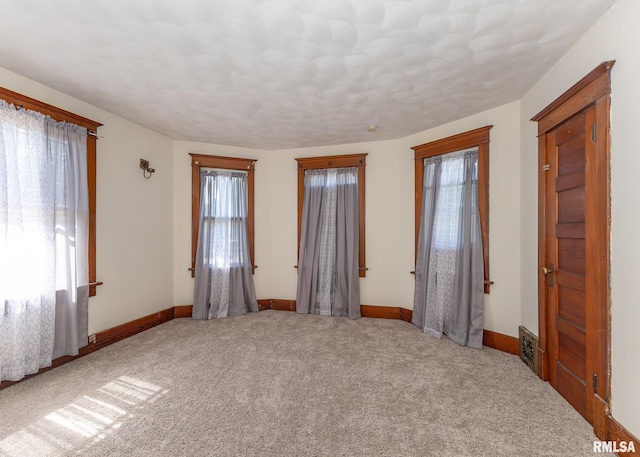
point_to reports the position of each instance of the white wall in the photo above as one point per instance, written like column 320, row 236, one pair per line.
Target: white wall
column 389, row 221
column 133, row 215
column 182, row 280
column 390, row 216
column 614, row 36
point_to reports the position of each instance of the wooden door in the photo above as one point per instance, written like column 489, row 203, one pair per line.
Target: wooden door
column 574, row 246
column 566, row 262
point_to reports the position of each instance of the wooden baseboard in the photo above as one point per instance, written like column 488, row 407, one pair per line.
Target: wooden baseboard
column 617, row 433
column 264, row 304
column 120, row 332
column 380, row 312
column 182, row 311
column 283, row 305
column 504, row 343
column 406, row 315
column 376, row 312
column 112, row 335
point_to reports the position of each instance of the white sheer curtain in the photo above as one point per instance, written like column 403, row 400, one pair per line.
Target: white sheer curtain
column 449, row 292
column 328, row 274
column 43, row 185
column 327, row 257
column 223, row 279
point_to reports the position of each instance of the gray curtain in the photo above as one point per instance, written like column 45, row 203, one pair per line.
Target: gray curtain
column 449, row 291
column 223, row 276
column 328, row 270
column 67, row 150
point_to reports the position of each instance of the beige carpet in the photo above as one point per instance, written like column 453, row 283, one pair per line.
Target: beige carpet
column 280, row 384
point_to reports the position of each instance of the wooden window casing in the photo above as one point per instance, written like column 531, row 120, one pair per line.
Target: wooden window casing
column 475, row 138
column 341, row 161
column 199, row 161
column 61, row 115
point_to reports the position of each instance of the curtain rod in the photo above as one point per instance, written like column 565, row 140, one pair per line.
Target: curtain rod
column 89, row 132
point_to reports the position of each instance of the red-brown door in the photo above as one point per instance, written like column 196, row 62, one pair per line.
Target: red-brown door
column 574, row 246
column 566, row 269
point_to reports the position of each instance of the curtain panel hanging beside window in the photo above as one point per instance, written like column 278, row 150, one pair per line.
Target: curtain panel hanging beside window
column 67, row 147
column 44, row 230
column 223, row 278
column 328, row 269
column 449, row 291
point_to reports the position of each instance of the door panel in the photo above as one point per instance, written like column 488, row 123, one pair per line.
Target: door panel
column 566, row 250
column 572, row 281
column 570, row 356
column 568, row 230
column 572, row 389
column 572, row 130
column 572, row 156
column 571, row 305
column 570, row 180
column 571, row 206
column 571, row 254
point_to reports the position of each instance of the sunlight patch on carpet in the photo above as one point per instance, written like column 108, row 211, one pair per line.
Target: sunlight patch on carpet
column 84, row 422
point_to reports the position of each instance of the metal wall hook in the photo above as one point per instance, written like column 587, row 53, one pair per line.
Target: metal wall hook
column 144, row 164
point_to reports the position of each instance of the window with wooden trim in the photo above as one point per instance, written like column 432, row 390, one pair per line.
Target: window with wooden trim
column 203, row 161
column 341, row 161
column 61, row 115
column 475, row 138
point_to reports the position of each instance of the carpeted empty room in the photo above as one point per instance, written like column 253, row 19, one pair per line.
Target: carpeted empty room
column 319, row 228
column 277, row 383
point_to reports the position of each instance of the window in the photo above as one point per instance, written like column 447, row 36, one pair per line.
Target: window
column 91, row 126
column 343, row 161
column 451, row 186
column 478, row 138
column 225, row 217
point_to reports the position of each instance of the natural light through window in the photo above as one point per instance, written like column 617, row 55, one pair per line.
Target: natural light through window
column 226, row 217
column 86, row 421
column 221, row 178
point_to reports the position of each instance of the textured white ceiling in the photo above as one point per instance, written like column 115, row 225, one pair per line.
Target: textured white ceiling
column 278, row 74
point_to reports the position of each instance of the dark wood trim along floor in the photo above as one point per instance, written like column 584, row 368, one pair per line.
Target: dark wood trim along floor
column 617, row 433
column 504, row 343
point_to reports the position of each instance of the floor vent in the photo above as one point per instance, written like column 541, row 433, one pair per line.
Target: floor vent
column 528, row 348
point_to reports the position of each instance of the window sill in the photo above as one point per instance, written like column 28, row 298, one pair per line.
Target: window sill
column 92, row 287
column 487, row 284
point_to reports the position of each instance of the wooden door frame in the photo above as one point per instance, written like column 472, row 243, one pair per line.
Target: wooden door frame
column 591, row 91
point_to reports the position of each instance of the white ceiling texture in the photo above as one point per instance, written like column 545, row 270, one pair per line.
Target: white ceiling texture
column 276, row 74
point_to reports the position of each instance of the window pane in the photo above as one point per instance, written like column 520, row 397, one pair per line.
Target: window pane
column 224, row 216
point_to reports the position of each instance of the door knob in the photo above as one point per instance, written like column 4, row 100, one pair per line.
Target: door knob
column 549, row 273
